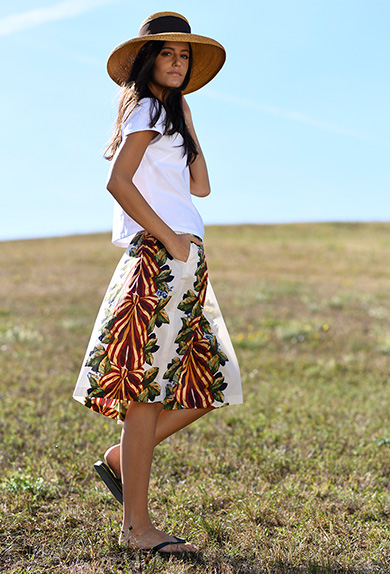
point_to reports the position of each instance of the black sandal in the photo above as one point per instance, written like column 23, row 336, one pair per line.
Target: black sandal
column 160, row 546
column 113, row 483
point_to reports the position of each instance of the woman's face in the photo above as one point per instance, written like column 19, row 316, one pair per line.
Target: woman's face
column 170, row 67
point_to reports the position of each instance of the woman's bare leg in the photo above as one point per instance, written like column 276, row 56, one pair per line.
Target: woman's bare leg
column 137, row 446
column 168, row 423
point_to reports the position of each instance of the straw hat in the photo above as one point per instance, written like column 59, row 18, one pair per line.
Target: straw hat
column 208, row 55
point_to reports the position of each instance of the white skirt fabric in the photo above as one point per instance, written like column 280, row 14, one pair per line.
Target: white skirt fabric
column 159, row 337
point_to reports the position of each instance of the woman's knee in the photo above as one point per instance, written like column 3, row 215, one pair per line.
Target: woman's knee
column 135, row 407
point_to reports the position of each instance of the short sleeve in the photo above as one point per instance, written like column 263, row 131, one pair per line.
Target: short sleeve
column 139, row 119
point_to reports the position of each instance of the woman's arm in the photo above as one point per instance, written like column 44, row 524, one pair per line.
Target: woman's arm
column 199, row 179
column 120, row 185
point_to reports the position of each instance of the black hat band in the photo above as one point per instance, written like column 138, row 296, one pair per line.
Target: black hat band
column 165, row 24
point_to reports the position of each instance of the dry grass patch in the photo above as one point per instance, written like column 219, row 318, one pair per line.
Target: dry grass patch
column 294, row 480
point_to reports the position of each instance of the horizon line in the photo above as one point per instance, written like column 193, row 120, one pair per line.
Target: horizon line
column 242, row 224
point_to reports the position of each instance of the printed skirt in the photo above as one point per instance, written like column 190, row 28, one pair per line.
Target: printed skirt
column 159, row 337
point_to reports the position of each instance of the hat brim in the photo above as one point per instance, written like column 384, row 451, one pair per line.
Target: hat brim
column 208, row 58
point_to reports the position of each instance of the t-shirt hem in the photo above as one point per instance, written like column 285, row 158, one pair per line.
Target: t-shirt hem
column 126, row 239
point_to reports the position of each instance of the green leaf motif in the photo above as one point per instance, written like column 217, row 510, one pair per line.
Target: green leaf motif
column 163, row 303
column 222, row 357
column 217, row 383
column 205, row 325
column 150, row 348
column 151, row 343
column 93, row 380
column 200, row 271
column 105, row 366
column 184, row 335
column 183, row 306
column 213, row 364
column 169, row 404
column 214, row 345
column 152, row 324
column 161, row 317
column 96, row 393
column 134, row 249
column 109, row 321
column 188, row 302
column 162, row 285
column 177, row 406
column 143, row 396
column 161, row 257
column 186, row 322
column 96, row 357
column 177, row 376
column 170, row 401
column 154, row 389
column 183, row 347
column 133, row 252
column 172, row 369
column 219, row 396
column 106, row 336
column 149, row 376
column 198, row 285
column 196, row 310
column 163, row 275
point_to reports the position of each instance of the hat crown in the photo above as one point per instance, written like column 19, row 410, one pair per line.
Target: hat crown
column 163, row 23
column 208, row 54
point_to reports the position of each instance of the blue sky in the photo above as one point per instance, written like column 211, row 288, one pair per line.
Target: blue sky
column 294, row 128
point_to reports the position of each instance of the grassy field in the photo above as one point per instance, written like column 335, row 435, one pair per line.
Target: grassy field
column 295, row 480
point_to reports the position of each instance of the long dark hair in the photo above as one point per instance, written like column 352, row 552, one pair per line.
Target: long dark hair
column 137, row 88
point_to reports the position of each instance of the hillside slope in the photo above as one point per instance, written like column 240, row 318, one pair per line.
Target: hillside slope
column 295, row 480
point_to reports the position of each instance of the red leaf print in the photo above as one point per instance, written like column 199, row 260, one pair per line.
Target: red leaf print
column 193, row 390
column 122, row 384
column 130, row 330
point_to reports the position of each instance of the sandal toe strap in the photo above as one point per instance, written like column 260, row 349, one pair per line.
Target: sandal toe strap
column 163, row 544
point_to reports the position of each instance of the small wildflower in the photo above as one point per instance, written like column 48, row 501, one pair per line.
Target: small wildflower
column 161, row 294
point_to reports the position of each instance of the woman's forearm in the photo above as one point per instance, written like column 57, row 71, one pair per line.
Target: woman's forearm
column 199, row 183
column 135, row 205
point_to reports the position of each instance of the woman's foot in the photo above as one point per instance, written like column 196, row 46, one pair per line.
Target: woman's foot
column 155, row 540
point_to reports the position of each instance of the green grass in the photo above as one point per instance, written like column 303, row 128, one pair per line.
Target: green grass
column 295, row 480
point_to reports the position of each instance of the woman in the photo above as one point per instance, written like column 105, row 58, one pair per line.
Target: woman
column 159, row 356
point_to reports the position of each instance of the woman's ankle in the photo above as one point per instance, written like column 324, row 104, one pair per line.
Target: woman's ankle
column 137, row 528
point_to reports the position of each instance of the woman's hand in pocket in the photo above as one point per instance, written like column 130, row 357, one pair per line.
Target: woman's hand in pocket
column 180, row 248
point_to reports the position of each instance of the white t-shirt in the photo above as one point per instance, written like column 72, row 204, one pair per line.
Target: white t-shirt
column 163, row 178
